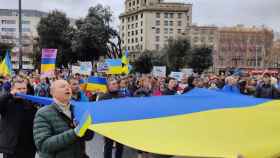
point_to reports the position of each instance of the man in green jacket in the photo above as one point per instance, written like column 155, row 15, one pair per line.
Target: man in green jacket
column 55, row 133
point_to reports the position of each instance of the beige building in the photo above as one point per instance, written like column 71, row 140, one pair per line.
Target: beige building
column 243, row 47
column 148, row 24
column 9, row 28
column 201, row 35
column 274, row 57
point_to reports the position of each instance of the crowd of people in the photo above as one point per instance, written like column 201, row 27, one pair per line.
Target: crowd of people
column 51, row 131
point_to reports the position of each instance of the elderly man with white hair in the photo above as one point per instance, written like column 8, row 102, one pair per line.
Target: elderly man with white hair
column 55, row 132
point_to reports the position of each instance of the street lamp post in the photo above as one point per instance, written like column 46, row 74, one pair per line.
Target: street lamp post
column 20, row 35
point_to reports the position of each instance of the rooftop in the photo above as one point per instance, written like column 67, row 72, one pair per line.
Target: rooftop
column 162, row 6
column 25, row 12
column 242, row 28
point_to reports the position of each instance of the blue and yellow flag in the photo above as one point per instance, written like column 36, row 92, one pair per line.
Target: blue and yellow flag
column 48, row 62
column 201, row 123
column 125, row 58
column 6, row 66
column 114, row 66
column 96, row 84
column 125, row 62
column 83, row 84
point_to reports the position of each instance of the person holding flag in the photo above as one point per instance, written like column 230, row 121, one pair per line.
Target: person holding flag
column 56, row 132
column 16, row 123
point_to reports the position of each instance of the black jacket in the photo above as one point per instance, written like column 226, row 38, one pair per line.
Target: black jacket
column 109, row 95
column 267, row 91
column 169, row 92
column 16, row 125
column 141, row 92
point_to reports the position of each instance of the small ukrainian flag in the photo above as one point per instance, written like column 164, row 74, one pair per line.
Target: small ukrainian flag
column 6, row 66
column 97, row 84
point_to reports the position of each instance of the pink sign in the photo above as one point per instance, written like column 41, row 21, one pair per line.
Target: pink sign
column 49, row 53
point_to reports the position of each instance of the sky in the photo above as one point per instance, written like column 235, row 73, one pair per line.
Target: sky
column 205, row 12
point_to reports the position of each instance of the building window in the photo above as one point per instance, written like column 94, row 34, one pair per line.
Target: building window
column 188, row 18
column 8, row 29
column 171, row 30
column 136, row 17
column 158, row 15
column 157, row 46
column 136, row 40
column 132, row 33
column 179, row 23
column 9, row 22
column 123, row 20
column 133, row 3
column 171, row 15
column 122, row 27
column 142, row 15
column 123, row 35
column 128, row 41
column 179, row 15
column 136, row 25
column 137, row 1
column 158, row 30
column 165, row 30
column 166, row 38
column 195, row 39
column 128, row 26
column 165, row 23
column 171, row 23
column 179, row 31
column 141, row 31
column 166, row 15
column 128, row 19
column 141, row 23
column 128, row 34
column 157, row 39
column 24, row 22
column 141, row 39
column 158, row 23
column 129, row 4
column 132, row 18
column 132, row 40
column 132, row 26
column 202, row 39
column 136, row 32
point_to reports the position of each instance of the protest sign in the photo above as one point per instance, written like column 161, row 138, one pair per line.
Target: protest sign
column 159, row 71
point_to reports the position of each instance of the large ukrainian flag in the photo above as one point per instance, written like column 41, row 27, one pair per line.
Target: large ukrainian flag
column 202, row 123
column 6, row 66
